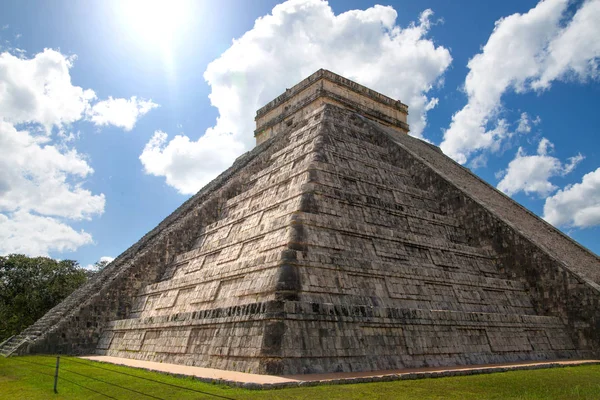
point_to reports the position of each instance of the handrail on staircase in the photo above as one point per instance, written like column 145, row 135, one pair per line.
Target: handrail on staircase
column 2, row 344
column 15, row 348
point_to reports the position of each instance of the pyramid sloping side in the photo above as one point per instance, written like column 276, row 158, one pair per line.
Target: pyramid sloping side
column 399, row 267
column 556, row 244
column 336, row 246
column 215, row 304
column 74, row 326
column 349, row 253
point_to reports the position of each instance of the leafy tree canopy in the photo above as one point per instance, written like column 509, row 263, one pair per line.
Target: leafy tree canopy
column 100, row 265
column 30, row 286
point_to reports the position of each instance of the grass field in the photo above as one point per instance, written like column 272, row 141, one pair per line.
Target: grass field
column 31, row 377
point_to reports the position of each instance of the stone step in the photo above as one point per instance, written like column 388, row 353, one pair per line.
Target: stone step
column 13, row 344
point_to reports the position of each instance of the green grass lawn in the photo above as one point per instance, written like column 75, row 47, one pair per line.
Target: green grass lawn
column 31, row 377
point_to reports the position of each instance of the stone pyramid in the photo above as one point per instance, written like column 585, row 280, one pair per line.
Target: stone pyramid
column 339, row 243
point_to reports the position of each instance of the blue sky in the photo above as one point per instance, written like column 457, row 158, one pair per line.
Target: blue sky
column 113, row 113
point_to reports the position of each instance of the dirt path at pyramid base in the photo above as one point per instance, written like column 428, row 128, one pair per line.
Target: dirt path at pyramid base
column 257, row 381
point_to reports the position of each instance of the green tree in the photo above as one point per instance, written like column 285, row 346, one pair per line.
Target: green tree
column 30, row 286
column 96, row 268
column 100, row 265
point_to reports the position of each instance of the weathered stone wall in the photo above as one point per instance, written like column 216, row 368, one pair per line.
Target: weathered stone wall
column 337, row 79
column 340, row 246
column 393, row 111
column 560, row 276
column 75, row 325
column 347, row 253
column 380, row 239
column 326, row 87
column 237, row 261
column 339, row 338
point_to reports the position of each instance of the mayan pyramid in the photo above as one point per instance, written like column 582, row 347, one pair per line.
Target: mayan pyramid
column 339, row 243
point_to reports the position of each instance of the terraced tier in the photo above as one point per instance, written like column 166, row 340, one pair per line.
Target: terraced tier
column 337, row 258
column 338, row 244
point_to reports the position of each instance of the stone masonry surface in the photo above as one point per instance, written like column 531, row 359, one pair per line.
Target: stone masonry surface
column 74, row 326
column 326, row 87
column 338, row 245
column 344, row 255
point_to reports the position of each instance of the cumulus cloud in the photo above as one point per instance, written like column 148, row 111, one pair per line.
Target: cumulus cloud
column 106, row 259
column 41, row 177
column 526, row 124
column 524, row 52
column 574, row 52
column 479, row 162
column 531, row 174
column 25, row 233
column 296, row 39
column 102, row 262
column 177, row 159
column 38, row 177
column 39, row 90
column 123, row 113
column 576, row 205
column 40, row 188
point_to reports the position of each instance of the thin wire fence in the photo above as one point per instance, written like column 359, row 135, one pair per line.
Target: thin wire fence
column 62, row 378
column 106, row 382
column 88, row 388
column 93, row 365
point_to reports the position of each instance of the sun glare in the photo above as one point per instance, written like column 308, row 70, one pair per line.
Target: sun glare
column 157, row 22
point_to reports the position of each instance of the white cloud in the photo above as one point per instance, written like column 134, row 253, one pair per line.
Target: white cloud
column 42, row 178
column 36, row 176
column 479, row 162
column 39, row 90
column 178, row 159
column 545, row 147
column 574, row 52
column 103, row 259
column 576, row 205
column 286, row 46
column 531, row 174
column 572, row 164
column 433, row 102
column 40, row 186
column 106, row 259
column 524, row 52
column 24, row 233
column 119, row 112
column 525, row 123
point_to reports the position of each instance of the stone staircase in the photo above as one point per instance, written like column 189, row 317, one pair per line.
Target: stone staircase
column 74, row 325
column 341, row 249
column 18, row 344
column 12, row 344
column 383, row 274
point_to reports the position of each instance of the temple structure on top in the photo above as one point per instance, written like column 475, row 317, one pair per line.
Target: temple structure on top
column 339, row 243
column 326, row 87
